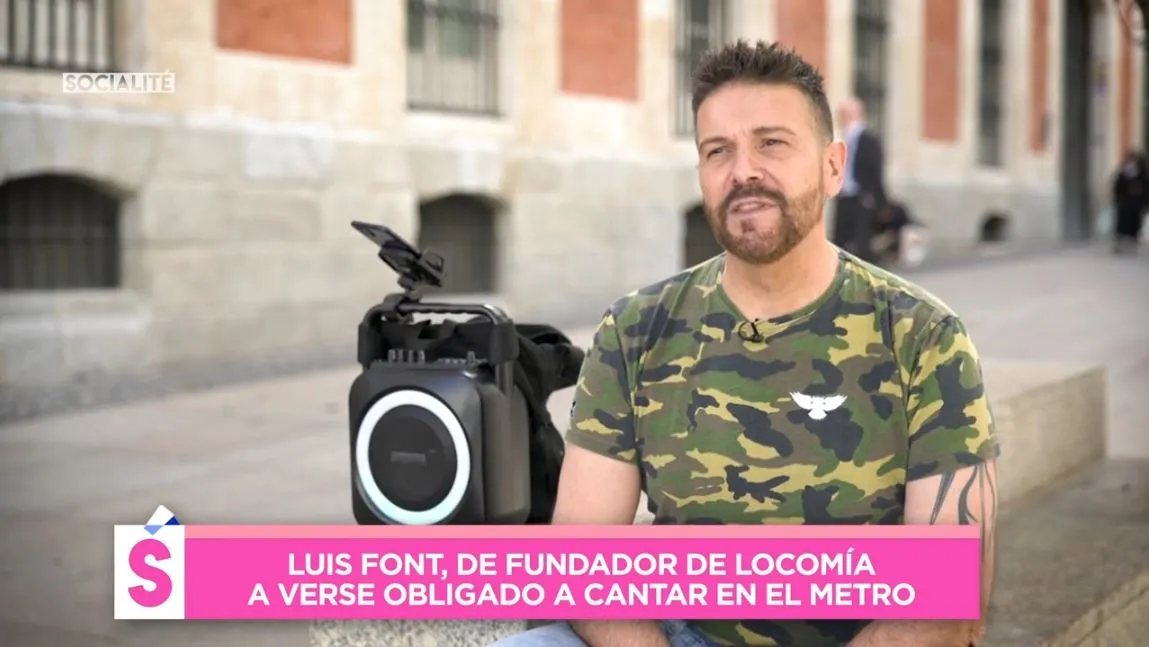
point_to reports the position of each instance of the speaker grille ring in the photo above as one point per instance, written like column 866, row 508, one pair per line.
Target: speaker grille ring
column 366, row 479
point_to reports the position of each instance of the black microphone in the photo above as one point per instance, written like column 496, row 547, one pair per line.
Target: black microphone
column 753, row 335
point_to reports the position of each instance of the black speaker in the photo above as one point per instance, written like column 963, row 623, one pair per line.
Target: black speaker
column 439, row 432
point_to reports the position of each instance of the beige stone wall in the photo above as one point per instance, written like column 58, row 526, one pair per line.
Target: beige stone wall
column 943, row 180
column 369, row 95
column 239, row 186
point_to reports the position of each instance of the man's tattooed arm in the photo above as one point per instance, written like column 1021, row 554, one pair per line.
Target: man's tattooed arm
column 972, row 502
column 967, row 496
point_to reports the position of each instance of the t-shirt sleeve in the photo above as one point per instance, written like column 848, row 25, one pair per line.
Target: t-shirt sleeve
column 602, row 419
column 950, row 422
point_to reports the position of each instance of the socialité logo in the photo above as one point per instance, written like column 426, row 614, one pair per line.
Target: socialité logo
column 148, row 569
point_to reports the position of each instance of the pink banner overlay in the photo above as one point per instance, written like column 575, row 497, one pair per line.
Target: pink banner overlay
column 579, row 572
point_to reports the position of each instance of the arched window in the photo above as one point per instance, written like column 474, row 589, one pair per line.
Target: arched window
column 461, row 229
column 699, row 243
column 994, row 228
column 58, row 232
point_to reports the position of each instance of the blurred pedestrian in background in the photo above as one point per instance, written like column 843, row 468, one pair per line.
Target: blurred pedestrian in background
column 863, row 195
column 1130, row 200
column 900, row 241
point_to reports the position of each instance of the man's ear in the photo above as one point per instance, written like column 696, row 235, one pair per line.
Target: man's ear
column 835, row 167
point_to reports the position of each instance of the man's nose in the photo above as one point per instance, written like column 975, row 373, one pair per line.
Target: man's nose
column 747, row 168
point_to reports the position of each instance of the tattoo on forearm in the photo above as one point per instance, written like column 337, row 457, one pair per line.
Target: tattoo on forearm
column 943, row 494
column 980, row 488
column 980, row 482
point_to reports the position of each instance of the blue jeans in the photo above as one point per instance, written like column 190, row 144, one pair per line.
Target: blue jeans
column 560, row 634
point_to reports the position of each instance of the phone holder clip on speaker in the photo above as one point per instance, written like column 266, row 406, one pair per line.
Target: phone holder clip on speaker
column 419, row 270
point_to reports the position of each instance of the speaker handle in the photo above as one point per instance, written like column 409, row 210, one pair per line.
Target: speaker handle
column 503, row 350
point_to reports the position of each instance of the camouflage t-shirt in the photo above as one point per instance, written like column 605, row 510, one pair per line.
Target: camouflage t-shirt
column 824, row 421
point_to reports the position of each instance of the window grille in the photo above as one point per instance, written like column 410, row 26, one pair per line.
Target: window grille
column 453, row 55
column 701, row 26
column 871, row 59
column 990, row 149
column 58, row 233
column 65, row 35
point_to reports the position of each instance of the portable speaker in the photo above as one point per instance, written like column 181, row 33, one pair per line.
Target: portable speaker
column 439, row 432
column 437, row 442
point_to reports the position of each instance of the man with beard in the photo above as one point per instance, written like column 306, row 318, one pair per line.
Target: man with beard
column 784, row 381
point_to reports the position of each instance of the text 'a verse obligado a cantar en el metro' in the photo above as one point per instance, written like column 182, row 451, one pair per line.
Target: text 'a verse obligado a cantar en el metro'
column 732, row 580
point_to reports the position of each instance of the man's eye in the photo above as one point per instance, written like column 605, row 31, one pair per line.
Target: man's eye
column 767, row 143
column 716, row 151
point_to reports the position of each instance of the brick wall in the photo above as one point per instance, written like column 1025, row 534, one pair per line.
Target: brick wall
column 309, row 29
column 801, row 24
column 1038, row 73
column 1128, row 104
column 599, row 48
column 941, row 74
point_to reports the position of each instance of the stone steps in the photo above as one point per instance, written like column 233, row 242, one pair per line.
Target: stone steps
column 1050, row 419
column 1073, row 564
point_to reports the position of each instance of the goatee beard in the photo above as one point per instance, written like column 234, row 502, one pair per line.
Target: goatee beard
column 796, row 218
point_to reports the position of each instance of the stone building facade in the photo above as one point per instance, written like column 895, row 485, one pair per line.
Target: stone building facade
column 542, row 146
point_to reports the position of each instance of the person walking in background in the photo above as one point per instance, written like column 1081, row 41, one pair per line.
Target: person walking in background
column 863, row 195
column 1130, row 199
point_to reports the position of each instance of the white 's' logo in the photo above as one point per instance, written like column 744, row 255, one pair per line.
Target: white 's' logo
column 817, row 406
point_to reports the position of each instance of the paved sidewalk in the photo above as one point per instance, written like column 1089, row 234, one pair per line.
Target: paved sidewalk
column 276, row 451
column 1081, row 306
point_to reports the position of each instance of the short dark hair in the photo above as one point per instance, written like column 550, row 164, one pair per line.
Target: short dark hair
column 762, row 62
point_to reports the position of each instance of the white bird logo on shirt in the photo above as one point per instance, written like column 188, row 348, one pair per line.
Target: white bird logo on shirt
column 817, row 406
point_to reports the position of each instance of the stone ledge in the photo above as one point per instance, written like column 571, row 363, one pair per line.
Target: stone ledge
column 403, row 633
column 1051, row 420
column 1073, row 566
